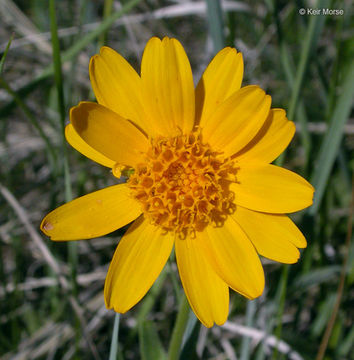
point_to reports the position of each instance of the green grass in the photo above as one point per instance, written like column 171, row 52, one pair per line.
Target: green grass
column 51, row 294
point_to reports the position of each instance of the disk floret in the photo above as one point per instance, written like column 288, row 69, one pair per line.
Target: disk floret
column 183, row 185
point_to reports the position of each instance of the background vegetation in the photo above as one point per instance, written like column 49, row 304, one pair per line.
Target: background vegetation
column 51, row 294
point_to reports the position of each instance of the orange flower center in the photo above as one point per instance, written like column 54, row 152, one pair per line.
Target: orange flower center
column 183, row 185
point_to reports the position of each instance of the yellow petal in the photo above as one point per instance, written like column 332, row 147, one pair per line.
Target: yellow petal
column 168, row 89
column 207, row 294
column 81, row 146
column 234, row 258
column 92, row 215
column 274, row 236
column 117, row 86
column 108, row 133
column 273, row 138
column 271, row 189
column 237, row 120
column 221, row 79
column 137, row 262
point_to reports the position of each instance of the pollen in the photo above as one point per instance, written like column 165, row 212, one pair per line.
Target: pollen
column 183, row 185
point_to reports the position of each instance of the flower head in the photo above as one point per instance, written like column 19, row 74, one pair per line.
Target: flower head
column 199, row 177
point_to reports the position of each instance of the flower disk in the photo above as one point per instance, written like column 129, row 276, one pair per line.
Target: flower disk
column 183, row 184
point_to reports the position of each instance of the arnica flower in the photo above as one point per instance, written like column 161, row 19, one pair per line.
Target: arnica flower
column 199, row 178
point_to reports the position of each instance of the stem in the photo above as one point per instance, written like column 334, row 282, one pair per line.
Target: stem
column 178, row 330
column 282, row 295
column 114, row 342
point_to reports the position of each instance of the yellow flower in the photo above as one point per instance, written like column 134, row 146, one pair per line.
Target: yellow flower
column 199, row 177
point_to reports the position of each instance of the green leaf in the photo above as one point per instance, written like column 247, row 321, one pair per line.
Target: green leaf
column 150, row 344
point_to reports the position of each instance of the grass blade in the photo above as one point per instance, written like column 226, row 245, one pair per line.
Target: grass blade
column 57, row 62
column 149, row 341
column 313, row 32
column 216, row 24
column 330, row 144
column 190, row 338
column 58, row 76
column 60, row 93
column 301, row 113
column 2, row 61
column 107, row 11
